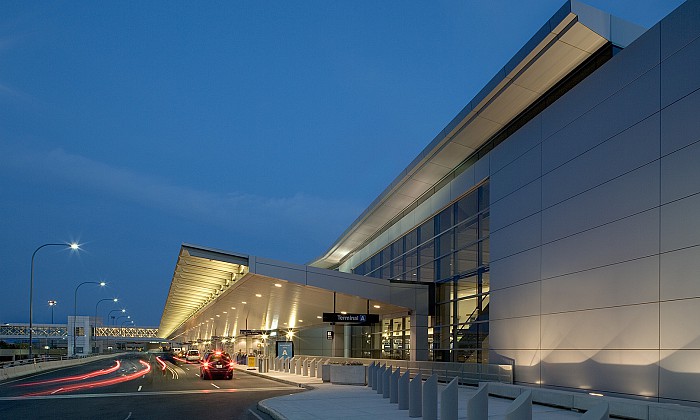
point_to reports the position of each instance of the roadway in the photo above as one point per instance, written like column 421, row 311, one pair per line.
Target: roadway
column 136, row 386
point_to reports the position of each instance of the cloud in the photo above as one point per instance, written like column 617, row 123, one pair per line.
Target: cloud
column 235, row 211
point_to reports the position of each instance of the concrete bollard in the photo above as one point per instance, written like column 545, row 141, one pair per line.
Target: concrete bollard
column 370, row 374
column 521, row 408
column 430, row 399
column 312, row 368
column 386, row 379
column 403, row 390
column 415, row 398
column 319, row 370
column 478, row 404
column 297, row 368
column 305, row 368
column 600, row 411
column 379, row 380
column 449, row 400
column 394, row 386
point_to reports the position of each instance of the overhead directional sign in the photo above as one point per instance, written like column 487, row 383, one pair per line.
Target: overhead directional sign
column 254, row 332
column 350, row 318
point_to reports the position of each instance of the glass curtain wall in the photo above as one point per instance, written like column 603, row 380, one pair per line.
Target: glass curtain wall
column 451, row 249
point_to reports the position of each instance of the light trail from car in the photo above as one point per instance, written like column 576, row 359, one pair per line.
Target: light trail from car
column 76, row 377
column 96, row 384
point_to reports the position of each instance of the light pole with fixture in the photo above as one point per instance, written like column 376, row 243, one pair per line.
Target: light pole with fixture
column 75, row 305
column 52, row 303
column 72, row 246
column 115, row 300
column 109, row 315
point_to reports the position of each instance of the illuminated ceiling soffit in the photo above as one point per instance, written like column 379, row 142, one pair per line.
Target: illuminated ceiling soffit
column 201, row 275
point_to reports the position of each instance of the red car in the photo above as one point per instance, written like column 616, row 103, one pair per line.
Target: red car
column 217, row 363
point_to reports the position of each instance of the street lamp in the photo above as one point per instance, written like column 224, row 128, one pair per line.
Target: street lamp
column 52, row 303
column 115, row 300
column 75, row 305
column 109, row 315
column 72, row 246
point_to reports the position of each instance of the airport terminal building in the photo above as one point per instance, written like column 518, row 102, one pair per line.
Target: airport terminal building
column 553, row 225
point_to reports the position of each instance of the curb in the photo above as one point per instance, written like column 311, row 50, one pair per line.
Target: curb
column 270, row 411
column 284, row 381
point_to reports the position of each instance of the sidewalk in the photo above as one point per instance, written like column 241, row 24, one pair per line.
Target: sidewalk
column 328, row 401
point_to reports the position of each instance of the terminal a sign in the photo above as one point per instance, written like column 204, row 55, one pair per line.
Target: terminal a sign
column 363, row 319
column 254, row 332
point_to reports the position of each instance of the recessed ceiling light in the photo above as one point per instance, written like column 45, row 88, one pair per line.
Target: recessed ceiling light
column 301, row 320
column 258, row 295
column 225, row 312
column 343, row 312
column 377, row 306
column 244, row 302
column 233, row 307
column 218, row 316
column 319, row 317
column 278, row 285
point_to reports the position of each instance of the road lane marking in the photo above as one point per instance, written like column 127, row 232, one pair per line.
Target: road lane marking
column 139, row 388
column 149, row 393
column 129, row 416
column 216, row 386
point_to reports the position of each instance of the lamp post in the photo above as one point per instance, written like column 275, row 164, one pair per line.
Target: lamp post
column 115, row 300
column 109, row 315
column 75, row 305
column 72, row 246
column 52, row 303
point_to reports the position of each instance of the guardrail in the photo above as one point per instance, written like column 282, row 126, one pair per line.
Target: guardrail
column 9, row 370
column 41, row 359
column 468, row 373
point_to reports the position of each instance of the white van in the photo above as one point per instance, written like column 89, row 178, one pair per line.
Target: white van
column 192, row 356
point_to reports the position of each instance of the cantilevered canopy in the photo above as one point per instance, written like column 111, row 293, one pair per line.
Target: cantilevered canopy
column 200, row 276
column 217, row 293
column 570, row 37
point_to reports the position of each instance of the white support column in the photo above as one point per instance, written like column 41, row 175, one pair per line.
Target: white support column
column 347, row 340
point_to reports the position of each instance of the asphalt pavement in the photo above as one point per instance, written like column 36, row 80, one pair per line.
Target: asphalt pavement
column 130, row 391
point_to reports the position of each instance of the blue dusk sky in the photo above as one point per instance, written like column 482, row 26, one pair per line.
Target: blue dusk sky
column 259, row 127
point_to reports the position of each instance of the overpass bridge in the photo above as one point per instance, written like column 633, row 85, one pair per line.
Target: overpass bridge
column 43, row 331
column 57, row 339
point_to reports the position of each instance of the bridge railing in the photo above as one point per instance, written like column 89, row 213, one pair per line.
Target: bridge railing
column 37, row 359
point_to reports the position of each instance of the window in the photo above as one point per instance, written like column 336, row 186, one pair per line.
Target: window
column 451, row 248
